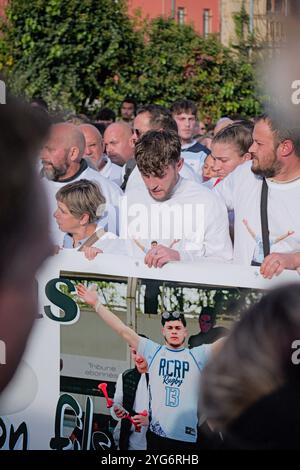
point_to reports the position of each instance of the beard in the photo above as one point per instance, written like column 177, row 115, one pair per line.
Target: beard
column 267, row 172
column 53, row 173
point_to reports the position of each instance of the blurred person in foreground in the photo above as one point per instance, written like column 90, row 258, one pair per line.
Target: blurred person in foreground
column 251, row 391
column 24, row 228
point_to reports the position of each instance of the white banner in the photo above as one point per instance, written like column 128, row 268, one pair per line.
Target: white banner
column 32, row 412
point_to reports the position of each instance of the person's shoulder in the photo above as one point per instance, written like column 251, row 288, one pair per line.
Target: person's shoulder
column 194, row 340
column 137, row 194
column 242, row 172
column 129, row 372
column 197, row 148
column 109, row 236
column 202, row 352
column 198, row 192
column 94, row 175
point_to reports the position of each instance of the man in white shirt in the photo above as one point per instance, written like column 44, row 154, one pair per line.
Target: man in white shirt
column 176, row 212
column 276, row 157
column 95, row 157
column 63, row 162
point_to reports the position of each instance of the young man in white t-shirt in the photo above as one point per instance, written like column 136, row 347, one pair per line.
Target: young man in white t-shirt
column 174, row 376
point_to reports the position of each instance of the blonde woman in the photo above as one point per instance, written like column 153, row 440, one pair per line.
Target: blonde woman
column 79, row 209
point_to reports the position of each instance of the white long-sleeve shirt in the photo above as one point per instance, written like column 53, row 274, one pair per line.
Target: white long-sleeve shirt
column 193, row 220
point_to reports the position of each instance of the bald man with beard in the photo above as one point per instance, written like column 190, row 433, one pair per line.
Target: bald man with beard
column 63, row 162
column 118, row 143
column 95, row 157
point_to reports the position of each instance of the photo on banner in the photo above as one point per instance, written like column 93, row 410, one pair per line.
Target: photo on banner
column 71, row 351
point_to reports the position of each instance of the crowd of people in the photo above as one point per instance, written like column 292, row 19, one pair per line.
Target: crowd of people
column 154, row 185
column 234, row 199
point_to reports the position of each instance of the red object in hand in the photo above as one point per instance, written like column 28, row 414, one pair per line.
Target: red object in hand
column 137, row 426
column 103, row 388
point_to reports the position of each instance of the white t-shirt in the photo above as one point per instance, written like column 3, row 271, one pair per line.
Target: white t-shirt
column 135, row 179
column 112, row 171
column 174, row 383
column 194, row 221
column 137, row 440
column 241, row 192
column 108, row 243
column 110, row 191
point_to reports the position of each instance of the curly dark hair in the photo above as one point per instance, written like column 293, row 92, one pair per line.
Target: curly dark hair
column 156, row 150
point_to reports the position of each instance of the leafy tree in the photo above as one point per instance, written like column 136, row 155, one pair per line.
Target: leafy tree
column 202, row 70
column 176, row 62
column 66, row 50
column 83, row 53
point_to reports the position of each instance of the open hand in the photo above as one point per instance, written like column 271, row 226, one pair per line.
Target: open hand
column 89, row 296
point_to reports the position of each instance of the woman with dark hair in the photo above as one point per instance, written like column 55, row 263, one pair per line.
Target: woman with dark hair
column 251, row 390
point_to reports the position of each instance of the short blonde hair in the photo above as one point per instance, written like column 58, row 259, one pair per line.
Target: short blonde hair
column 82, row 197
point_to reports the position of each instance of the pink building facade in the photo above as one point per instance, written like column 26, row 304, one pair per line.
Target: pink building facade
column 203, row 15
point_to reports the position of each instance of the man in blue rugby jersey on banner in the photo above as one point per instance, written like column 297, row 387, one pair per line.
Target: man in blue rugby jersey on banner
column 174, row 376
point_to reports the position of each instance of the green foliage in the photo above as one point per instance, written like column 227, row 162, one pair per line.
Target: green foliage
column 246, row 41
column 67, row 50
column 83, row 53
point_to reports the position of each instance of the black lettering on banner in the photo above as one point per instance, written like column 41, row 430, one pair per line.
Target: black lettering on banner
column 58, row 442
column 14, row 435
column 61, row 300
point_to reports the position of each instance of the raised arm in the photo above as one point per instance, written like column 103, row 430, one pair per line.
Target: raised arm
column 91, row 298
column 217, row 346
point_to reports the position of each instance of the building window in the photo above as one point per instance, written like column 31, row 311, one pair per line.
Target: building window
column 206, row 22
column 180, row 15
column 278, row 7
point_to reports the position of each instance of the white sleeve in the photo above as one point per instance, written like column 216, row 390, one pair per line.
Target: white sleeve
column 225, row 190
column 118, row 396
column 215, row 243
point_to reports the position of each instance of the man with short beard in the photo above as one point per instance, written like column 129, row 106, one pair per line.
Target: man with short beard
column 63, row 162
column 276, row 158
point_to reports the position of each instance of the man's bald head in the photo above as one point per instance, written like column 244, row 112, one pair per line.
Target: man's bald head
column 93, row 145
column 118, row 142
column 70, row 135
column 62, row 153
